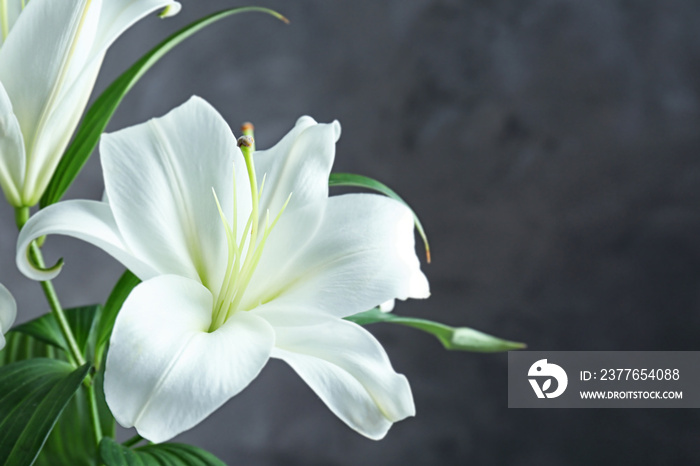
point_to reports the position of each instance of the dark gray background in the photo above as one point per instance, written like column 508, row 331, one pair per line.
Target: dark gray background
column 551, row 149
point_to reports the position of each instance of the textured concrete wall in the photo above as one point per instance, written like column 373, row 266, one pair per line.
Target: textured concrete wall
column 552, row 150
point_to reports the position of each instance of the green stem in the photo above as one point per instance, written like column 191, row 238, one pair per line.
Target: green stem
column 74, row 354
column 56, row 309
column 132, row 441
column 21, row 216
column 94, row 413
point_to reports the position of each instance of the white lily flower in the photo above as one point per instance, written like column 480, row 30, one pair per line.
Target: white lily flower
column 241, row 274
column 8, row 312
column 50, row 56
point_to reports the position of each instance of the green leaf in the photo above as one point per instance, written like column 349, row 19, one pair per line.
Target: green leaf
column 99, row 114
column 80, row 319
column 20, row 347
column 359, row 181
column 33, row 394
column 452, row 338
column 83, row 322
column 45, row 329
column 120, row 292
column 172, row 454
column 72, row 441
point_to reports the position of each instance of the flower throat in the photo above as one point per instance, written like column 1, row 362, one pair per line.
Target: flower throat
column 242, row 260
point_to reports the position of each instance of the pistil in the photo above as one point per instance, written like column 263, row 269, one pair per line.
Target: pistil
column 239, row 269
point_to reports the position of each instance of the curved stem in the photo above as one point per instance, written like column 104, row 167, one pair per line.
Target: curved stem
column 21, row 216
column 56, row 309
column 74, row 354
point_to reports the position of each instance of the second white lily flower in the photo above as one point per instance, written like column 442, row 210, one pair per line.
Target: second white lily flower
column 236, row 272
column 51, row 53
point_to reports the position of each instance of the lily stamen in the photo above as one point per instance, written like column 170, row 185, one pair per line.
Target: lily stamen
column 238, row 275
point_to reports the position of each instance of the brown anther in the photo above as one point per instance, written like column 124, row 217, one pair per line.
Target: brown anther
column 247, row 127
column 245, row 141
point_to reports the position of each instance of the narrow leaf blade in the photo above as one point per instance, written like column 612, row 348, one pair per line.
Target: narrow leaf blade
column 452, row 338
column 83, row 321
column 120, row 292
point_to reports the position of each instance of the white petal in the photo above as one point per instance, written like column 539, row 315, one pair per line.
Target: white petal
column 347, row 368
column 361, row 255
column 52, row 141
column 47, row 48
column 14, row 8
column 8, row 312
column 38, row 55
column 49, row 64
column 159, row 178
column 12, row 156
column 165, row 373
column 89, row 221
column 300, row 164
column 119, row 15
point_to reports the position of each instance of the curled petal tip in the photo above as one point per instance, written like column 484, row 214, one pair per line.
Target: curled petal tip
column 170, row 10
column 336, row 129
column 37, row 272
column 55, row 268
column 52, row 271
